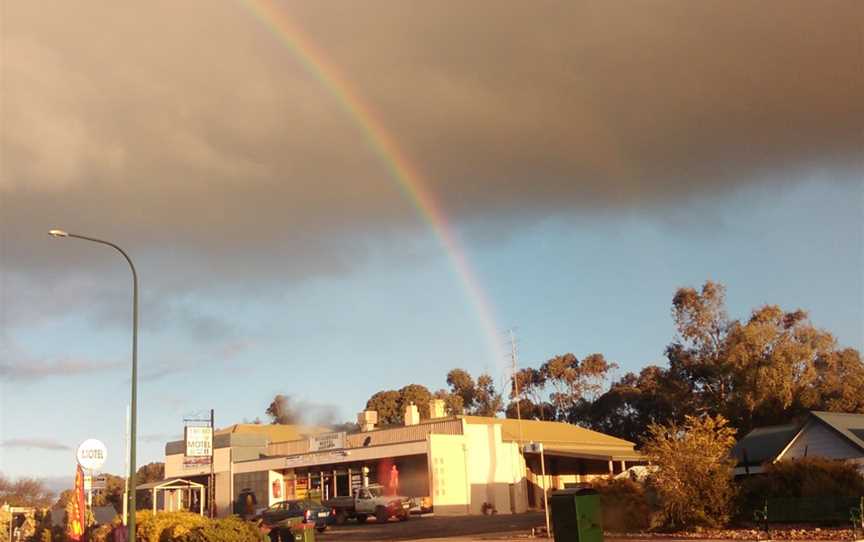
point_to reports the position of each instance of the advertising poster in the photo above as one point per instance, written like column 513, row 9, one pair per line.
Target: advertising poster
column 301, row 488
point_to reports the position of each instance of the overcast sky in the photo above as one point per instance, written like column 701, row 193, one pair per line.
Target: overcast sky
column 590, row 157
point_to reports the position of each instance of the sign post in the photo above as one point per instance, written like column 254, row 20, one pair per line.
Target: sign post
column 199, row 452
column 537, row 448
column 91, row 456
column 211, row 485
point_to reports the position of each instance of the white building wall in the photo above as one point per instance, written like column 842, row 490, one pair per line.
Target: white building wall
column 494, row 470
column 448, row 472
column 518, row 473
column 819, row 440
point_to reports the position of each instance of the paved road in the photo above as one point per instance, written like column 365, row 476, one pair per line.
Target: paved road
column 423, row 528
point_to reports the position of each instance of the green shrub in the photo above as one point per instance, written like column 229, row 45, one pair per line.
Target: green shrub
column 811, row 477
column 101, row 533
column 232, row 529
column 58, row 534
column 807, row 477
column 165, row 526
column 188, row 527
column 694, row 477
column 625, row 505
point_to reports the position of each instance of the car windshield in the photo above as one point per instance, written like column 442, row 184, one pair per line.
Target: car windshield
column 375, row 491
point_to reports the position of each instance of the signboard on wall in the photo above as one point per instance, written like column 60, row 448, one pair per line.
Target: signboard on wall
column 300, row 488
column 356, row 481
column 195, row 462
column 327, row 441
column 533, row 448
column 199, row 441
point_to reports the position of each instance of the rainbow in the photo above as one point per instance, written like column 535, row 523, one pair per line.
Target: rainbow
column 409, row 180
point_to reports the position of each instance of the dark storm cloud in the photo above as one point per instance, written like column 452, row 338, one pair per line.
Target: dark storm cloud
column 192, row 135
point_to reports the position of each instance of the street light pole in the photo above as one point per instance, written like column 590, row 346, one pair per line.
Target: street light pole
column 130, row 499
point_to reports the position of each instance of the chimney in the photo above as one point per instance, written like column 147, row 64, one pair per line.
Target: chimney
column 436, row 408
column 412, row 415
column 367, row 420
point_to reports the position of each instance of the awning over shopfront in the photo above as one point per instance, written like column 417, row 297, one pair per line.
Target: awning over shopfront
column 565, row 440
column 334, row 457
column 587, row 452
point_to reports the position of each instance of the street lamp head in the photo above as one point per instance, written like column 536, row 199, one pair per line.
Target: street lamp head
column 58, row 233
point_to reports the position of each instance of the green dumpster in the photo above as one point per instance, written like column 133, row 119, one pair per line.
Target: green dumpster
column 576, row 515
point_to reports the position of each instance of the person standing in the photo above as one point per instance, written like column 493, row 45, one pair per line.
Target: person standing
column 393, row 483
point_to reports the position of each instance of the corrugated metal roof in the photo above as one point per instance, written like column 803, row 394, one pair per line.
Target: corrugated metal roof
column 764, row 443
column 377, row 437
column 274, row 432
column 550, row 432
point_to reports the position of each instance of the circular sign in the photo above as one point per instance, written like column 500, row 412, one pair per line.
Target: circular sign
column 92, row 454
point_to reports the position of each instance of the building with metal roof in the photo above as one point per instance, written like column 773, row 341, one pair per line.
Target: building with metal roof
column 454, row 464
column 834, row 435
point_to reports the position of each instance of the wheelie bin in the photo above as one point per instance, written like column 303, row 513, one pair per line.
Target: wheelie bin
column 576, row 515
column 303, row 532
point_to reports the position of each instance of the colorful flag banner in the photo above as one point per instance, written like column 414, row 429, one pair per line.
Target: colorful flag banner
column 76, row 510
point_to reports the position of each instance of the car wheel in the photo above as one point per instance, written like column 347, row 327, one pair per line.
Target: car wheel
column 321, row 529
column 341, row 517
column 404, row 516
column 361, row 518
column 381, row 515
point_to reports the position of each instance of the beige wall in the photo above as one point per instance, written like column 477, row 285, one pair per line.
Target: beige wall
column 448, row 471
column 223, row 494
column 174, row 464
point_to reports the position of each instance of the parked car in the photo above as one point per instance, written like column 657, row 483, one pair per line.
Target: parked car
column 370, row 501
column 306, row 511
column 421, row 505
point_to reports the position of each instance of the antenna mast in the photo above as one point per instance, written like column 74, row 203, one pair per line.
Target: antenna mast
column 514, row 362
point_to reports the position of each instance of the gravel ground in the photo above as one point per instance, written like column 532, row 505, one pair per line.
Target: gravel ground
column 785, row 532
column 425, row 528
column 518, row 527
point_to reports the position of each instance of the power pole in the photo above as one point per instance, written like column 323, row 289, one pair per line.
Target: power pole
column 126, row 487
column 514, row 359
column 211, row 488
